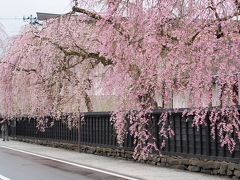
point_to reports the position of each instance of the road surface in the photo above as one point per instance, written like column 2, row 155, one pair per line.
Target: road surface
column 119, row 168
column 19, row 166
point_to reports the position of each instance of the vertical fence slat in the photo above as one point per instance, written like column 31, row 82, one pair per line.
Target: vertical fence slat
column 175, row 130
column 180, row 128
column 187, row 137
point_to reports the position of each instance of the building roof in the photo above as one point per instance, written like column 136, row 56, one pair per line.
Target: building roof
column 45, row 16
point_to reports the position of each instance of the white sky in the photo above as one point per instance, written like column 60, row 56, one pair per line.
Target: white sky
column 12, row 11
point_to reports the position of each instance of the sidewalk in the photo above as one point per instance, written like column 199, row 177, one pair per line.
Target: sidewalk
column 128, row 168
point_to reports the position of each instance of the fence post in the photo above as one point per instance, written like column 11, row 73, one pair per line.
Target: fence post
column 79, row 125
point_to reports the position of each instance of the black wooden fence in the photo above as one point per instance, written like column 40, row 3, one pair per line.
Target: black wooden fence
column 97, row 130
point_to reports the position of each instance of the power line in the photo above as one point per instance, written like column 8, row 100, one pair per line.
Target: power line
column 11, row 18
column 32, row 20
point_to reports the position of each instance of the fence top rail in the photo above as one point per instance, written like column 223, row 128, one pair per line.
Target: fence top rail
column 108, row 113
column 154, row 112
column 86, row 114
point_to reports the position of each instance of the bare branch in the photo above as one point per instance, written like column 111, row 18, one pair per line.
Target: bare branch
column 88, row 13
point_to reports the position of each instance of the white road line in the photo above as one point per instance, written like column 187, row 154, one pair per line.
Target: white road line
column 3, row 177
column 71, row 163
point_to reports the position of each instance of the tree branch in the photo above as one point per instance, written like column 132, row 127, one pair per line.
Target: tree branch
column 95, row 16
column 81, row 53
column 26, row 70
column 210, row 24
column 88, row 13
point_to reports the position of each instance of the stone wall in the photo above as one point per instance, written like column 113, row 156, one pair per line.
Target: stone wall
column 190, row 164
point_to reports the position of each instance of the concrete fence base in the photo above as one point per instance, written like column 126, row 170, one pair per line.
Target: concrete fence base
column 220, row 168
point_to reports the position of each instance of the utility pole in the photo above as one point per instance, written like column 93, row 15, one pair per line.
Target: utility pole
column 75, row 2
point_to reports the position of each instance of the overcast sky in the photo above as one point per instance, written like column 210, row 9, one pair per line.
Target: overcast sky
column 12, row 11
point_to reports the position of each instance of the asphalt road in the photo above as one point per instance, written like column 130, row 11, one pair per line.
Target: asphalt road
column 19, row 166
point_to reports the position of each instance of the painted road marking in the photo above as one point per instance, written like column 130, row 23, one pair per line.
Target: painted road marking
column 71, row 163
column 3, row 177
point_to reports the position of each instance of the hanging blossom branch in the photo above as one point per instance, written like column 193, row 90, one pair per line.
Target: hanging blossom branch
column 182, row 46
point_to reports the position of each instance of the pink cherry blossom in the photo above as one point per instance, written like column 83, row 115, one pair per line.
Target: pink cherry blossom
column 144, row 50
